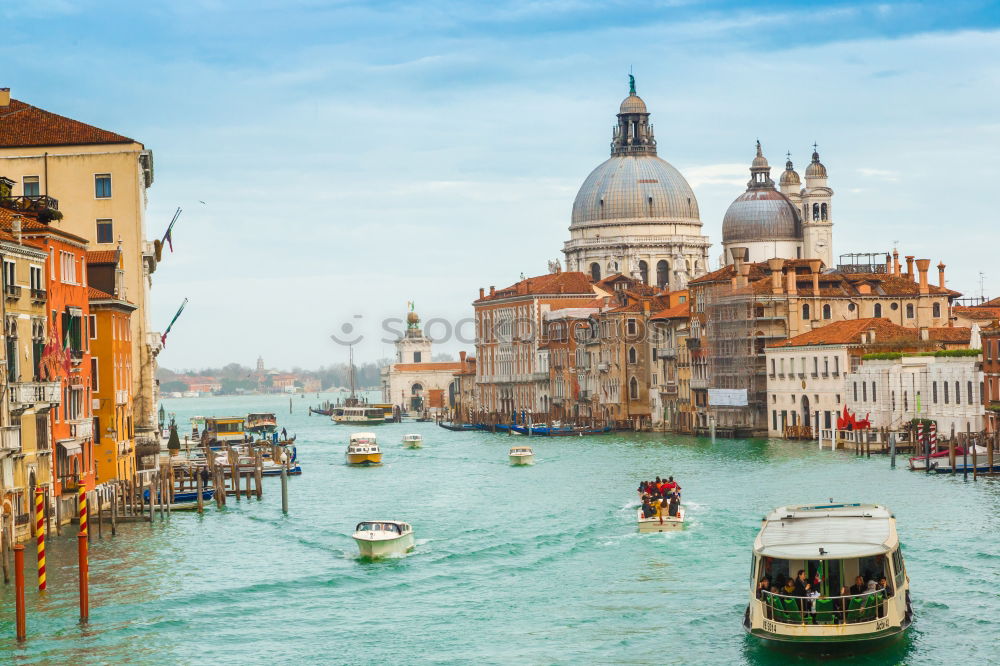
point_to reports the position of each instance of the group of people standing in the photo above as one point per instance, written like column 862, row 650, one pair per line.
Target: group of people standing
column 661, row 497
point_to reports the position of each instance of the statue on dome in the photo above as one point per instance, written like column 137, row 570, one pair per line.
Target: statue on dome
column 631, row 84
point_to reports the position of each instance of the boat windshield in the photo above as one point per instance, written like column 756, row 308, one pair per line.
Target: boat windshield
column 378, row 527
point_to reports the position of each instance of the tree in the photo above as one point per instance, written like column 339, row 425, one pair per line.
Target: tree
column 173, row 386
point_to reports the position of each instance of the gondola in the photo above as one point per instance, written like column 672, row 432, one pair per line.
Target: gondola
column 458, row 426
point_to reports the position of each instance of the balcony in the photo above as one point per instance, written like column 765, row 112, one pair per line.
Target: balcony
column 665, row 352
column 81, row 428
column 698, row 383
column 11, row 292
column 155, row 342
column 603, row 367
column 30, row 204
column 34, row 394
column 670, row 388
column 10, row 438
column 584, row 395
column 38, row 295
column 121, row 397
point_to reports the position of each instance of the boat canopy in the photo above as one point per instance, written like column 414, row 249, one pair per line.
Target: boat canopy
column 827, row 531
column 363, row 436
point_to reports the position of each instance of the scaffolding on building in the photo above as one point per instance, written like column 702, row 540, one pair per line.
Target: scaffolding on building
column 863, row 262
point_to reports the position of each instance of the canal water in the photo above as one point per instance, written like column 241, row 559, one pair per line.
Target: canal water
column 536, row 565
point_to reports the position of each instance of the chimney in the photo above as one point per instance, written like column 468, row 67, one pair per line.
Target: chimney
column 895, row 262
column 909, row 268
column 744, row 277
column 814, row 265
column 941, row 268
column 922, row 266
column 774, row 265
column 482, row 293
column 493, row 290
column 791, row 287
column 888, row 264
column 15, row 227
column 461, row 358
column 4, row 96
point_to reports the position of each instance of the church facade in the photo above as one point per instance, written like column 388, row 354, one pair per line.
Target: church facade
column 414, row 382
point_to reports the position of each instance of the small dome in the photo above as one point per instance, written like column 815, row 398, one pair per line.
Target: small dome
column 633, row 104
column 789, row 175
column 815, row 168
column 412, row 318
column 762, row 214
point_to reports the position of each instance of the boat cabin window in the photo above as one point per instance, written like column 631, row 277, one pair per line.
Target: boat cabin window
column 832, row 578
column 378, row 527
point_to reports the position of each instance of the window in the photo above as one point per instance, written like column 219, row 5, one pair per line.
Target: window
column 633, row 389
column 909, row 310
column 94, row 384
column 595, row 272
column 102, row 186
column 826, row 365
column 416, row 357
column 934, row 392
column 864, row 391
column 968, row 390
column 815, row 365
column 945, row 384
column 662, row 273
column 874, row 394
column 8, row 274
column 877, row 312
column 836, row 365
column 105, row 231
column 936, row 310
column 644, row 272
column 92, row 326
column 855, row 391
column 826, row 311
column 631, row 326
column 35, row 276
column 12, row 359
column 632, row 356
column 805, row 312
column 67, row 267
column 30, row 186
column 772, row 366
column 958, row 394
column 774, row 419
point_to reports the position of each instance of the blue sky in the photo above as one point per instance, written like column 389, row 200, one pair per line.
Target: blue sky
column 354, row 156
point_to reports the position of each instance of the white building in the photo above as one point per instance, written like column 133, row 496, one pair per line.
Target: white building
column 415, row 382
column 896, row 390
column 635, row 213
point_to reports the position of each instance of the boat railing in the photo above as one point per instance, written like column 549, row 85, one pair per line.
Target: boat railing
column 846, row 609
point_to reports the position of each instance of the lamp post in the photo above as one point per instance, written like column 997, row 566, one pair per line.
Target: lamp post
column 284, row 482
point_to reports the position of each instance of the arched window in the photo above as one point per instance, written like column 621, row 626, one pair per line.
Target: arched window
column 632, row 356
column 644, row 272
column 934, row 392
column 936, row 310
column 805, row 312
column 827, row 314
column 595, row 272
column 815, row 211
column 662, row 273
column 877, row 312
column 971, row 398
column 633, row 389
column 416, row 389
column 909, row 310
column 822, row 209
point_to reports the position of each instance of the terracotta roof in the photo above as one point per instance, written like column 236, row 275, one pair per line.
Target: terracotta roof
column 24, row 125
column 102, row 257
column 450, row 366
column 31, row 225
column 95, row 294
column 849, row 332
column 978, row 312
column 679, row 311
column 995, row 303
column 569, row 283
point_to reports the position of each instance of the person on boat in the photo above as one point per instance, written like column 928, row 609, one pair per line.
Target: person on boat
column 674, row 504
column 763, row 587
column 647, row 509
column 883, row 584
column 801, row 585
column 859, row 586
column 284, row 434
column 789, row 589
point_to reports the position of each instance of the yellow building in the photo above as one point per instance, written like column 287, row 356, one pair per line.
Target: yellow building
column 110, row 331
column 25, row 442
column 100, row 180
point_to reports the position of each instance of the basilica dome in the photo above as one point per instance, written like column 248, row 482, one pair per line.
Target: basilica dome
column 641, row 187
column 762, row 213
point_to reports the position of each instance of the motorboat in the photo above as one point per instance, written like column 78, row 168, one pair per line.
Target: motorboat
column 837, row 546
column 666, row 523
column 380, row 538
column 413, row 441
column 262, row 423
column 363, row 449
column 941, row 460
column 521, row 455
column 359, row 415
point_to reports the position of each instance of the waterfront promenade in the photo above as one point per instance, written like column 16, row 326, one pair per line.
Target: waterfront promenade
column 512, row 565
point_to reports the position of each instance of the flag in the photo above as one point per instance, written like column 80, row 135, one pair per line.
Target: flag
column 168, row 237
column 163, row 337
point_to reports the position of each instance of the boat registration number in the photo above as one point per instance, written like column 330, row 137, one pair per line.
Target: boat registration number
column 882, row 624
column 770, row 627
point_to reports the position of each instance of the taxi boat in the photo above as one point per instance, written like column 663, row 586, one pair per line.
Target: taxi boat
column 521, row 455
column 666, row 523
column 834, row 545
column 379, row 538
column 413, row 441
column 358, row 415
column 261, row 423
column 363, row 450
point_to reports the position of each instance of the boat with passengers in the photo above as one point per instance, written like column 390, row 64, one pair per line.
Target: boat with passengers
column 363, row 449
column 828, row 573
column 379, row 538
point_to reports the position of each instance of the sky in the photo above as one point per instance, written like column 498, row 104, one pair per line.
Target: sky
column 335, row 160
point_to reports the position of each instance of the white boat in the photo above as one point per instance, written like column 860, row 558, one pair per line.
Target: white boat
column 358, row 415
column 362, row 449
column 942, row 457
column 833, row 545
column 521, row 455
column 664, row 524
column 413, row 441
column 378, row 538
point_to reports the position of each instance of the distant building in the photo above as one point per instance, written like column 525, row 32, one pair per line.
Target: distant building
column 990, row 344
column 414, row 382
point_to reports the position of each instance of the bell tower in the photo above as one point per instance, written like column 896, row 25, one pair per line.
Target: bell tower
column 817, row 214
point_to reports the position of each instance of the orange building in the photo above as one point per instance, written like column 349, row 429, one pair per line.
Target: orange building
column 110, row 332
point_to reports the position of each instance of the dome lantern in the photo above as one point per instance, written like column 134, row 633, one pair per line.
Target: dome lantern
column 633, row 135
column 789, row 177
column 815, row 168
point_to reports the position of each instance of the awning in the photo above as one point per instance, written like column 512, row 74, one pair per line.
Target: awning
column 71, row 448
column 74, row 311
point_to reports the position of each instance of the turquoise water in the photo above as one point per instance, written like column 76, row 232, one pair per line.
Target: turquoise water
column 537, row 564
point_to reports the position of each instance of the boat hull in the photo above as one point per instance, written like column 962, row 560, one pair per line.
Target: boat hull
column 375, row 548
column 654, row 524
column 364, row 459
column 522, row 460
column 413, row 445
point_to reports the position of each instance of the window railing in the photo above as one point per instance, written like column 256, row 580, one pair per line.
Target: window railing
column 33, row 203
column 848, row 609
column 38, row 294
column 30, row 393
column 12, row 291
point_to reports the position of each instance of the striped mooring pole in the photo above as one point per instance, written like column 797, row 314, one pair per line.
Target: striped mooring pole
column 81, row 543
column 83, row 510
column 40, row 535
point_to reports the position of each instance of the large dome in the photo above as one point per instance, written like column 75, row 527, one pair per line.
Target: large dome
column 643, row 188
column 761, row 215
